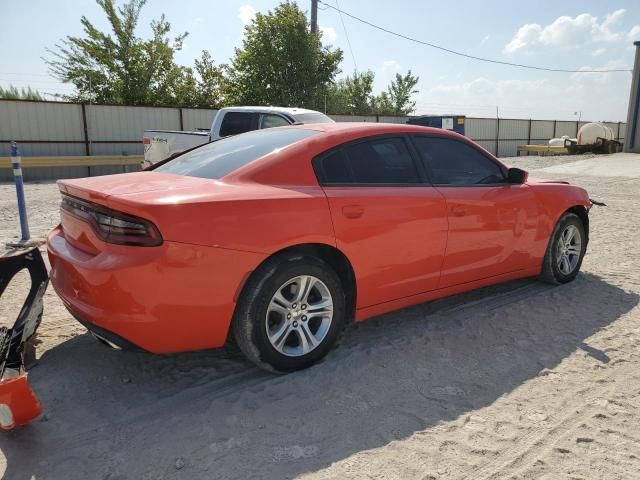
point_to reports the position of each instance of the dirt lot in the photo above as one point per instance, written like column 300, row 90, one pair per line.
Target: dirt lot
column 521, row 380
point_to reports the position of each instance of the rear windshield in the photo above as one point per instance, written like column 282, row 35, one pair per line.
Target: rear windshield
column 312, row 118
column 219, row 158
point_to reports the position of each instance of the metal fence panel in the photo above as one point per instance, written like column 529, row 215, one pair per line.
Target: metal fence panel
column 58, row 128
column 541, row 130
column 508, row 148
column 514, row 130
column 43, row 149
column 40, row 121
column 623, row 131
column 197, row 118
column 109, row 123
column 481, row 129
column 392, row 119
column 117, row 130
column 489, row 145
column 566, row 128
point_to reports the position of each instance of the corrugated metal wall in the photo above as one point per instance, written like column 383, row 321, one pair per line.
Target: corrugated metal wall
column 52, row 128
column 196, row 118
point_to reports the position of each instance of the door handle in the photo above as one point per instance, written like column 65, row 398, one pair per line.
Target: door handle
column 458, row 210
column 352, row 211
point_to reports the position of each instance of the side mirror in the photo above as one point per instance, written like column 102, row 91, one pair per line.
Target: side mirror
column 517, row 175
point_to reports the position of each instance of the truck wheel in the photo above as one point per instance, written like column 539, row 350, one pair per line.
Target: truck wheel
column 290, row 314
column 565, row 252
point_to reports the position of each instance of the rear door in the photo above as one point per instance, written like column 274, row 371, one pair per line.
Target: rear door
column 492, row 224
column 387, row 220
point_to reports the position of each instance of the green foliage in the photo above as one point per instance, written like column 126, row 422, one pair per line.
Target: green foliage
column 354, row 95
column 121, row 68
column 281, row 62
column 13, row 93
column 399, row 94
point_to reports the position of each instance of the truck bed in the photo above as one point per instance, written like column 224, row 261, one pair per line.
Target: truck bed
column 161, row 144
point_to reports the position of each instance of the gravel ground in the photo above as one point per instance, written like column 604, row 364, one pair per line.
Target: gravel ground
column 520, row 380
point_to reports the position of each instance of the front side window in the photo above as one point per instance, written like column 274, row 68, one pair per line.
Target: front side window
column 234, row 123
column 379, row 161
column 452, row 162
column 221, row 157
column 269, row 120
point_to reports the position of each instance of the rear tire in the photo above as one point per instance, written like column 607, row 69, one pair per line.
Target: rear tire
column 565, row 252
column 290, row 313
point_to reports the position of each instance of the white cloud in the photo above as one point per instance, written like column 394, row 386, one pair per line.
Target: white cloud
column 328, row 34
column 246, row 13
column 634, row 34
column 569, row 32
column 485, row 39
column 599, row 96
column 598, row 78
column 526, row 35
column 598, row 51
column 390, row 65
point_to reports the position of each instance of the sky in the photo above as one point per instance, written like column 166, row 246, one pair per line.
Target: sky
column 567, row 34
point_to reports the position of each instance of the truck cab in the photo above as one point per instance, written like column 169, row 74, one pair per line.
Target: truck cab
column 162, row 144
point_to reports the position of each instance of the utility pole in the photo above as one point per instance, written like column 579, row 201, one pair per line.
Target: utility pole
column 314, row 16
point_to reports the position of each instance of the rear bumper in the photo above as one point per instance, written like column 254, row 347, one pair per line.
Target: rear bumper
column 171, row 298
column 18, row 403
column 106, row 336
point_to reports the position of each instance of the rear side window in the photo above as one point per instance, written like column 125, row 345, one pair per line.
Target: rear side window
column 221, row 157
column 315, row 117
column 234, row 123
column 452, row 162
column 379, row 161
column 269, row 120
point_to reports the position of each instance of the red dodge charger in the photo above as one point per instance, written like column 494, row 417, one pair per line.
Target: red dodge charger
column 281, row 237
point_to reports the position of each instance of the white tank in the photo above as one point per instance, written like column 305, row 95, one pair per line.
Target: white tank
column 558, row 142
column 589, row 133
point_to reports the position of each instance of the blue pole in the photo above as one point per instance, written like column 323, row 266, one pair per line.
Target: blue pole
column 16, row 164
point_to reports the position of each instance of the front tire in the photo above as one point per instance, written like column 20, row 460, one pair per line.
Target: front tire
column 565, row 252
column 290, row 314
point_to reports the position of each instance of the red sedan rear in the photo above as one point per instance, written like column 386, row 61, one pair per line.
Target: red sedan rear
column 281, row 237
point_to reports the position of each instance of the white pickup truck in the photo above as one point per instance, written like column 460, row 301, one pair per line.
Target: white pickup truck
column 161, row 144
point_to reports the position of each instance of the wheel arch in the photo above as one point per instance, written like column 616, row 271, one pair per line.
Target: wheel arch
column 329, row 254
column 583, row 214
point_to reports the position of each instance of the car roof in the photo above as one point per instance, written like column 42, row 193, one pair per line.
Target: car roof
column 373, row 128
column 289, row 110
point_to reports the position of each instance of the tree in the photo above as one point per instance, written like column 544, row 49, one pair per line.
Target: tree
column 281, row 62
column 211, row 78
column 13, row 93
column 352, row 95
column 121, row 68
column 399, row 94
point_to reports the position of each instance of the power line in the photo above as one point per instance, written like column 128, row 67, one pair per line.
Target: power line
column 465, row 55
column 345, row 31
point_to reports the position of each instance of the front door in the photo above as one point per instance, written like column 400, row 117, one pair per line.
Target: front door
column 492, row 224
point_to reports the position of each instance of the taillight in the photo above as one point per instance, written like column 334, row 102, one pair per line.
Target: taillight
column 112, row 226
column 146, row 141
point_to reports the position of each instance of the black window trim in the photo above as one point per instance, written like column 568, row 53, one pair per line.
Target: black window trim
column 425, row 165
column 316, row 163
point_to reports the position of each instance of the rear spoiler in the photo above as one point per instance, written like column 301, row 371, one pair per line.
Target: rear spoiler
column 18, row 403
